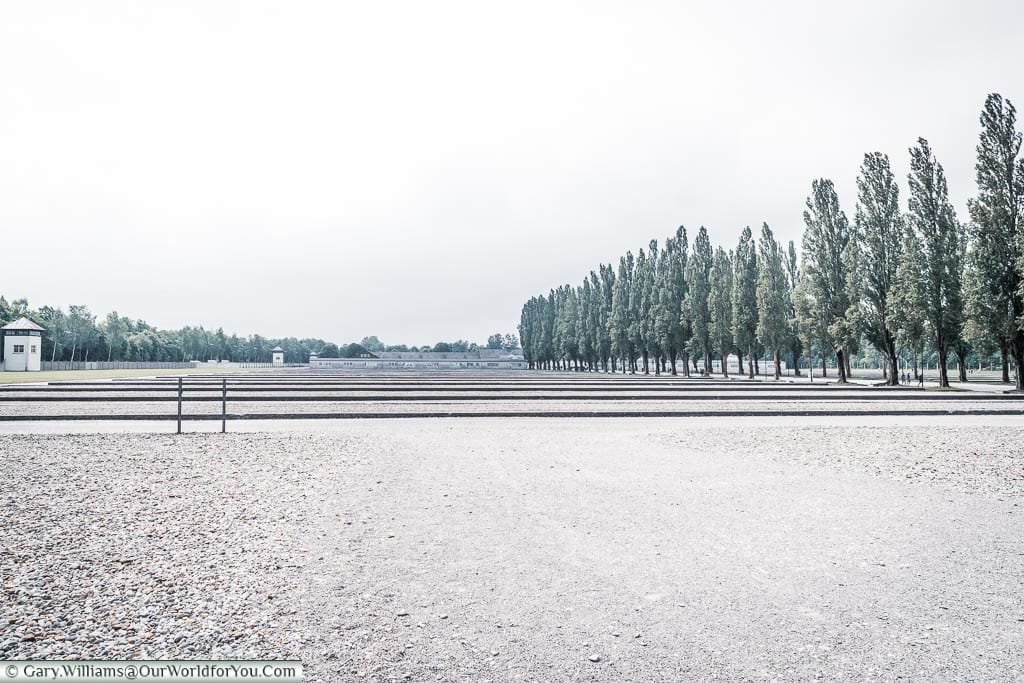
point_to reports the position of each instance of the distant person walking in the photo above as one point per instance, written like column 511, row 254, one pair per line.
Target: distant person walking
column 920, row 380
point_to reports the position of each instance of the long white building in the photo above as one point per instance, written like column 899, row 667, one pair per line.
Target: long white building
column 484, row 359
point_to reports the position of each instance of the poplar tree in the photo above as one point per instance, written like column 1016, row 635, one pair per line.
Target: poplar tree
column 906, row 311
column 934, row 222
column 720, row 306
column 825, row 297
column 618, row 321
column 794, row 342
column 683, row 331
column 744, row 298
column 671, row 289
column 607, row 278
column 880, row 231
column 997, row 214
column 773, row 297
column 698, row 276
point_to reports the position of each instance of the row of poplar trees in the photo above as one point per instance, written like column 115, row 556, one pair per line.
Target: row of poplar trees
column 899, row 281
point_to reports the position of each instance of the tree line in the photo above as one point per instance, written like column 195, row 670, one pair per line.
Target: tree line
column 78, row 335
column 908, row 285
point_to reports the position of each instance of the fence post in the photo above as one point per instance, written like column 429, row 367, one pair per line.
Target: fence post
column 179, row 405
column 224, row 406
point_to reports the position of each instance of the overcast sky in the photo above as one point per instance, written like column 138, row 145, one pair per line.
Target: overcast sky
column 417, row 170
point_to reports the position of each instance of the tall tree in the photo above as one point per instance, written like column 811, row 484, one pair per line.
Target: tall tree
column 607, row 278
column 744, row 298
column 671, row 288
column 744, row 301
column 907, row 309
column 773, row 297
column 698, row 277
column 997, row 214
column 618, row 321
column 934, row 221
column 880, row 230
column 720, row 306
column 794, row 343
column 825, row 295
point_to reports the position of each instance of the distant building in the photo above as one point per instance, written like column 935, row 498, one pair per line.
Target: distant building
column 22, row 346
column 483, row 359
column 277, row 356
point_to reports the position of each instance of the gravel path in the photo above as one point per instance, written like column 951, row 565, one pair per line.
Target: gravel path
column 526, row 549
column 411, row 405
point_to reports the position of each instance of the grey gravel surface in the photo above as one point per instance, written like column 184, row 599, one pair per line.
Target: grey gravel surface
column 548, row 550
column 166, row 408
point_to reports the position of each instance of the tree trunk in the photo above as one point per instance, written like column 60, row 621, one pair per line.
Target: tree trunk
column 841, row 363
column 672, row 353
column 824, row 366
column 894, row 366
column 754, row 368
column 778, row 364
column 943, row 358
column 725, row 366
column 739, row 361
column 1004, row 352
column 849, row 370
column 1018, row 360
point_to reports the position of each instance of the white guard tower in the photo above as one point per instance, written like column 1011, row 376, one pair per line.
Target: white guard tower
column 278, row 356
column 22, row 346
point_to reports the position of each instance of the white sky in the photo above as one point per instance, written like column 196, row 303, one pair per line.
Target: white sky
column 418, row 170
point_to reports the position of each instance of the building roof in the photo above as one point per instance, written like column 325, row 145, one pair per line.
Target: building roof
column 22, row 324
column 276, row 348
column 482, row 354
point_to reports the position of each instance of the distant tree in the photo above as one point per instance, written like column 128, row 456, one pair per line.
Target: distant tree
column 671, row 291
column 372, row 344
column 442, row 347
column 618, row 321
column 329, row 351
column 495, row 341
column 744, row 299
column 880, row 230
column 989, row 323
column 720, row 306
column 698, row 278
column 825, row 297
column 606, row 282
column 509, row 342
column 354, row 351
column 773, row 297
column 566, row 321
column 997, row 214
column 934, row 221
column 795, row 342
column 115, row 331
column 907, row 308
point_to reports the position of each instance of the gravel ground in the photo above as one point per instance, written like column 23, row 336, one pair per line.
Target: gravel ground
column 411, row 405
column 548, row 550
